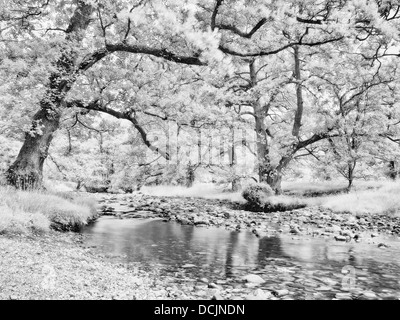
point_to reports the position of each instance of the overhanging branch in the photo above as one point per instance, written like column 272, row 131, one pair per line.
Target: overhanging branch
column 97, row 106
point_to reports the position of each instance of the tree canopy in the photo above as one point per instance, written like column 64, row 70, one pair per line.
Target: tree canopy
column 123, row 93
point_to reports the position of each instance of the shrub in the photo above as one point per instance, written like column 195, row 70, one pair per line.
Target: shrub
column 257, row 194
column 261, row 198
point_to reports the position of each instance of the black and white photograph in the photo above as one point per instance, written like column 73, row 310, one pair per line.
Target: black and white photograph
column 211, row 151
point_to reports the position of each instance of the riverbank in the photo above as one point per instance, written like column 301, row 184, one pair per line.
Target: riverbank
column 56, row 266
column 312, row 221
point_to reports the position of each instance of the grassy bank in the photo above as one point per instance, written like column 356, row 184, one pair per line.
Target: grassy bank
column 382, row 198
column 366, row 197
column 24, row 212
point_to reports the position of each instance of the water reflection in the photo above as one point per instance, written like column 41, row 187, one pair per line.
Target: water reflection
column 227, row 254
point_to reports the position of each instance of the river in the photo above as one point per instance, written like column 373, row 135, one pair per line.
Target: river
column 307, row 266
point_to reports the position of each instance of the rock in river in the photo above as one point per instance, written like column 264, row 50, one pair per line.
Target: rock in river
column 281, row 293
column 188, row 266
column 253, row 278
column 340, row 238
column 259, row 295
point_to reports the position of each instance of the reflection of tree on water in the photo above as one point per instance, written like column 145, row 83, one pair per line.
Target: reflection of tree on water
column 233, row 239
column 246, row 251
column 216, row 250
column 269, row 247
column 159, row 243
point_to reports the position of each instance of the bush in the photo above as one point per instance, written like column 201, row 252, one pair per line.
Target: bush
column 261, row 198
column 257, row 194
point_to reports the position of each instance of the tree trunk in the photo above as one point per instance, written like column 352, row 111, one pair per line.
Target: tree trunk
column 392, row 170
column 299, row 94
column 27, row 171
column 274, row 180
column 190, row 175
column 236, row 184
column 350, row 177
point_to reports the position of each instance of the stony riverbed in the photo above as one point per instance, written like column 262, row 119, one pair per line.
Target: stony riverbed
column 279, row 277
column 62, row 266
column 311, row 221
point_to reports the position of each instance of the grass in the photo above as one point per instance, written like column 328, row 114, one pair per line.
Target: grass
column 367, row 197
column 24, row 212
column 381, row 199
column 314, row 188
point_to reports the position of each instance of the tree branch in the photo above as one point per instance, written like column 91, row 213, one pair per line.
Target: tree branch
column 215, row 12
column 240, row 33
column 96, row 106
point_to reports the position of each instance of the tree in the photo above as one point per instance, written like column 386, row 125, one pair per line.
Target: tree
column 82, row 34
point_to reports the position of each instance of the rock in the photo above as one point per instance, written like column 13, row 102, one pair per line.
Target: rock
column 185, row 221
column 281, row 293
column 260, row 233
column 369, row 295
column 214, row 286
column 333, row 229
column 186, row 266
column 346, row 233
column 382, row 245
column 343, row 296
column 204, row 280
column 200, row 221
column 200, row 287
column 259, row 295
column 324, row 288
column 374, row 235
column 253, row 278
column 217, row 296
column 251, row 285
column 295, row 230
column 340, row 238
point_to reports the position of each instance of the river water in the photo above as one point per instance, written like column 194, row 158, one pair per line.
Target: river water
column 305, row 266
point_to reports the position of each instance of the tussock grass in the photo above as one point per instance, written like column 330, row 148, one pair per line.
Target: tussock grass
column 380, row 198
column 305, row 188
column 24, row 212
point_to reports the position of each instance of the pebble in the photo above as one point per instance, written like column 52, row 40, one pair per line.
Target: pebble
column 217, row 296
column 340, row 238
column 259, row 294
column 369, row 295
column 253, row 278
column 214, row 286
column 281, row 293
